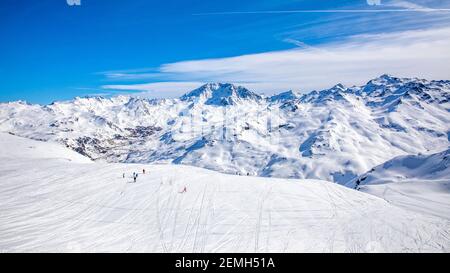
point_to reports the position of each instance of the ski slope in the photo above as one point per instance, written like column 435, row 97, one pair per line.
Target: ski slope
column 56, row 201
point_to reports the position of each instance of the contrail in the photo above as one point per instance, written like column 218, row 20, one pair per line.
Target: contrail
column 324, row 11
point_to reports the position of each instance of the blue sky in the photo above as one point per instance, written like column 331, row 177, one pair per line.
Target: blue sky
column 52, row 51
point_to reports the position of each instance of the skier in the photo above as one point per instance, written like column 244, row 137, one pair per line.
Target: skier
column 123, row 175
column 134, row 178
column 184, row 190
column 143, row 171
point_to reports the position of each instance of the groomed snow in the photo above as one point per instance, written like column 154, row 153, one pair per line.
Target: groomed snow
column 51, row 204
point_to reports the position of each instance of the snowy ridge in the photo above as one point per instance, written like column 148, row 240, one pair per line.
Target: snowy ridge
column 220, row 94
column 335, row 134
column 14, row 147
column 56, row 205
column 421, row 167
column 416, row 182
column 285, row 96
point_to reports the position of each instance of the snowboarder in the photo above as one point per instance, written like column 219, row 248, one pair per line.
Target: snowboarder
column 184, row 190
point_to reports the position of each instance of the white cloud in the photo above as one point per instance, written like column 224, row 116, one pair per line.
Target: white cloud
column 399, row 6
column 157, row 89
column 407, row 5
column 420, row 53
column 373, row 2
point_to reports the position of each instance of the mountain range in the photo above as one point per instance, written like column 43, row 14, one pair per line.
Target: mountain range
column 337, row 134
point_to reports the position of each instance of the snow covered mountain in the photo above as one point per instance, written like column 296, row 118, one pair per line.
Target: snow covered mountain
column 335, row 134
column 285, row 96
column 220, row 94
column 416, row 182
column 54, row 200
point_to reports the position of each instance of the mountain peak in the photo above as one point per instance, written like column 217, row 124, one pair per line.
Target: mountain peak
column 335, row 93
column 284, row 96
column 86, row 100
column 385, row 79
column 338, row 88
column 220, row 94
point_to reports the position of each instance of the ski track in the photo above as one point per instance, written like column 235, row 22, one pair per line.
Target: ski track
column 59, row 206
